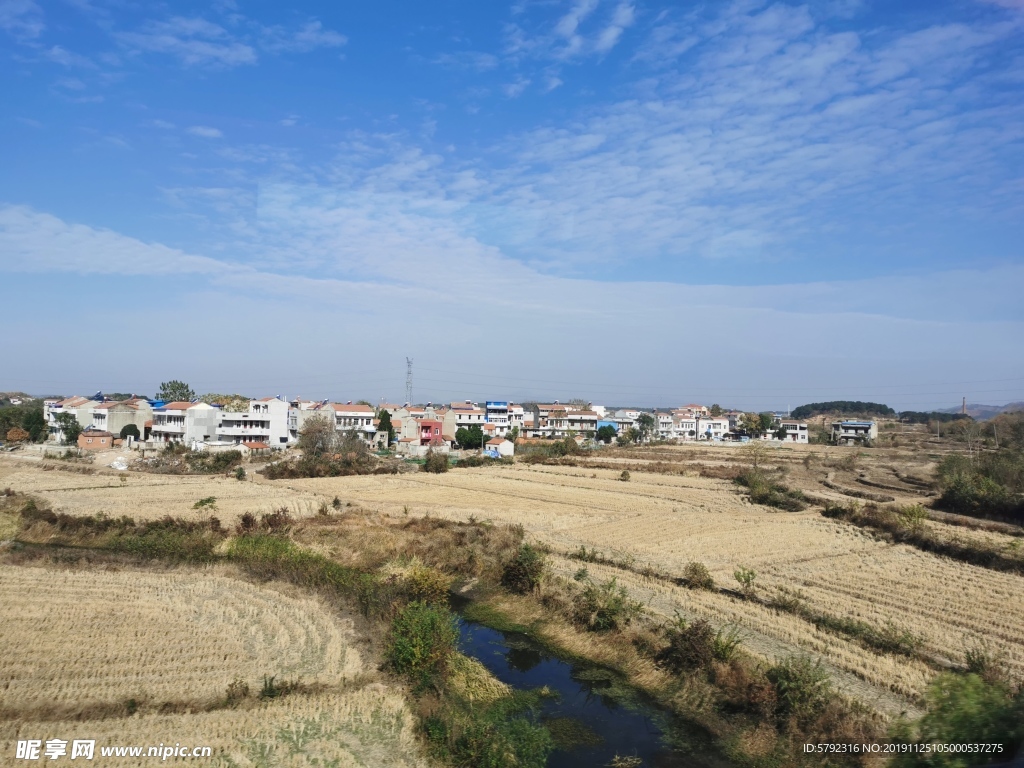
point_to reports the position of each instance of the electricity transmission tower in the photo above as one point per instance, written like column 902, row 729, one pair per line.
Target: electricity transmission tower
column 408, row 380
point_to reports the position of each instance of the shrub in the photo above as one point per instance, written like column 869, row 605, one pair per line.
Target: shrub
column 725, row 644
column 240, row 473
column 965, row 709
column 428, row 585
column 607, row 606
column 762, row 488
column 697, row 576
column 524, row 571
column 745, row 577
column 435, row 462
column 689, row 645
column 801, row 685
column 421, row 643
column 624, row 477
column 210, row 502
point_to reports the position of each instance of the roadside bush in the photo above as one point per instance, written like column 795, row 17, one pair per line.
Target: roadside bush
column 697, row 576
column 522, row 574
column 435, row 462
column 802, row 686
column 421, row 643
column 965, row 709
column 606, row 606
column 204, row 462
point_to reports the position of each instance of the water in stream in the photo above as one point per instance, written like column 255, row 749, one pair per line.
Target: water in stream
column 596, row 716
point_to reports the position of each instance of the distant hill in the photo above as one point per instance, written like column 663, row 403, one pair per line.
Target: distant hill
column 983, row 412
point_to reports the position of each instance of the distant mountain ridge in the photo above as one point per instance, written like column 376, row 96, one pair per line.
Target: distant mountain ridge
column 981, row 412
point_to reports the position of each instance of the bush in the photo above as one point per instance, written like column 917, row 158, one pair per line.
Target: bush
column 607, row 606
column 965, row 709
column 695, row 645
column 428, row 585
column 130, row 430
column 240, row 473
column 802, row 687
column 697, row 576
column 624, row 477
column 745, row 577
column 763, row 489
column 435, row 462
column 689, row 646
column 421, row 643
column 522, row 574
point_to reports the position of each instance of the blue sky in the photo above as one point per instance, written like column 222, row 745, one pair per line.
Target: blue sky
column 752, row 203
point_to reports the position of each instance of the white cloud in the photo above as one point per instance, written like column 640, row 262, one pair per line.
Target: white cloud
column 195, row 41
column 516, row 88
column 308, row 37
column 477, row 60
column 622, row 19
column 205, row 132
column 31, row 241
column 67, row 58
column 21, row 18
column 344, row 259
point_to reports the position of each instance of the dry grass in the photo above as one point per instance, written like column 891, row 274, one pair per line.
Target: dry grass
column 81, row 638
column 150, row 497
column 371, row 726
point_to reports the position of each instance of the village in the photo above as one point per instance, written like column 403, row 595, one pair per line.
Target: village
column 494, row 426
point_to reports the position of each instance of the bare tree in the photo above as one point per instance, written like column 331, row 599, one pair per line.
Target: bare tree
column 318, row 436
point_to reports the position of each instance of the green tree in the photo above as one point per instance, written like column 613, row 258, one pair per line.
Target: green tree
column 716, row 410
column 513, row 434
column 473, row 437
column 33, row 422
column 646, row 426
column 384, row 425
column 175, row 391
column 606, row 433
column 781, row 433
column 130, row 429
column 69, row 426
column 756, row 424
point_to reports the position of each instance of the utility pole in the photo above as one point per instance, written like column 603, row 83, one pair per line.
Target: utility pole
column 408, row 380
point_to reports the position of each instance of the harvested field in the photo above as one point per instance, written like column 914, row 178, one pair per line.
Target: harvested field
column 663, row 519
column 81, row 638
column 666, row 520
column 372, row 726
column 149, row 497
column 85, row 649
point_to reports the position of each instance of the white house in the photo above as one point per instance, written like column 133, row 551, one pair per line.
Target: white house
column 796, row 431
column 184, row 422
column 265, row 422
column 79, row 407
column 355, row 418
column 847, row 432
column 501, row 446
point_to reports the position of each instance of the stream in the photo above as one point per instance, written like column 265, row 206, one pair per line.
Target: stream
column 594, row 715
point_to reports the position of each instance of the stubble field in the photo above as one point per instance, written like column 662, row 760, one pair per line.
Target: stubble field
column 663, row 519
column 130, row 657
